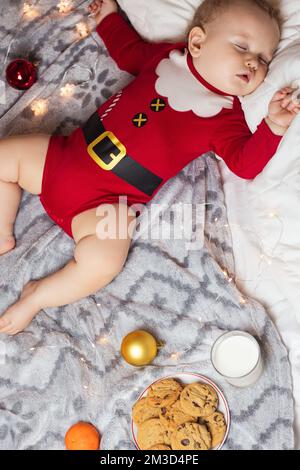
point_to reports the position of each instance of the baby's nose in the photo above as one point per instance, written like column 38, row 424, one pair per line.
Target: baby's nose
column 251, row 63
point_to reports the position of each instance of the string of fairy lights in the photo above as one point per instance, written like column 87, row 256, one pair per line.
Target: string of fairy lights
column 39, row 107
column 29, row 12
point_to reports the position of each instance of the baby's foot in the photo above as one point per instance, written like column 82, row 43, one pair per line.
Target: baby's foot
column 7, row 243
column 18, row 316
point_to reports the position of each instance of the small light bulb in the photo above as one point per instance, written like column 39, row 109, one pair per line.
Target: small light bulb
column 29, row 11
column 68, row 90
column 39, row 107
column 82, row 29
column 175, row 355
column 102, row 340
column 65, row 6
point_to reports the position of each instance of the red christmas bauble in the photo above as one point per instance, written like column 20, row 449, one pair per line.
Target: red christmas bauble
column 21, row 74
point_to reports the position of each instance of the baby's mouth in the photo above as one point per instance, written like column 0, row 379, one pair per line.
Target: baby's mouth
column 245, row 77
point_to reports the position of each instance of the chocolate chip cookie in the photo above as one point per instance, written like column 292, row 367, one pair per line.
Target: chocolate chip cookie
column 216, row 425
column 199, row 399
column 163, row 393
column 172, row 416
column 141, row 411
column 150, row 433
column 191, row 436
column 160, row 447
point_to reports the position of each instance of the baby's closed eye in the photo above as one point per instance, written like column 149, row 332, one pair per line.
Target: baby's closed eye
column 241, row 47
column 244, row 48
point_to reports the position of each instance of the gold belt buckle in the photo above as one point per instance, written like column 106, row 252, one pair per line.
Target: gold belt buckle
column 115, row 158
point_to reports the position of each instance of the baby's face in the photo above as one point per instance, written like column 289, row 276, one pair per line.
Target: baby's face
column 234, row 52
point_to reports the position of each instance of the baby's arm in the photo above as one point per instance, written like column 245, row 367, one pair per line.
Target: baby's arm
column 244, row 153
column 247, row 154
column 124, row 44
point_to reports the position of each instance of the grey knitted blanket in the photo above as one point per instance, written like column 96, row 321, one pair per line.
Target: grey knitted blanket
column 66, row 366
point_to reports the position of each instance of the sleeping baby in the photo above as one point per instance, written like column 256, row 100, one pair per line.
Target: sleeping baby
column 182, row 103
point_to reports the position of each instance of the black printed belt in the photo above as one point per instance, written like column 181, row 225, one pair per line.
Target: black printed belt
column 110, row 154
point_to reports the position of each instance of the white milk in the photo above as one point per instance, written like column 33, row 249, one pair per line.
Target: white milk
column 236, row 356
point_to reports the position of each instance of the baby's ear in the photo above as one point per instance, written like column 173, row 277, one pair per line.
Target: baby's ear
column 197, row 37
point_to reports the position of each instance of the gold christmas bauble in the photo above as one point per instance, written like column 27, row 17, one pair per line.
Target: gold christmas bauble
column 139, row 348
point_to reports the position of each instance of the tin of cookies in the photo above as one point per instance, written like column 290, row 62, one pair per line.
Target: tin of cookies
column 163, row 393
column 191, row 436
column 199, row 399
column 141, row 411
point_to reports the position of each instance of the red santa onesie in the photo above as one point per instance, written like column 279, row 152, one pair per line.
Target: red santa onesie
column 145, row 134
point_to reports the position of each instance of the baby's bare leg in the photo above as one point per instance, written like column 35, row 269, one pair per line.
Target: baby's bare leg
column 10, row 195
column 22, row 161
column 95, row 264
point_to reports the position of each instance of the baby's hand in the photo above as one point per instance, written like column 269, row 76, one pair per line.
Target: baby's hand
column 282, row 108
column 102, row 8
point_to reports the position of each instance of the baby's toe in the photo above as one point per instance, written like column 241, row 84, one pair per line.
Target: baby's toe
column 4, row 322
column 6, row 327
column 12, row 332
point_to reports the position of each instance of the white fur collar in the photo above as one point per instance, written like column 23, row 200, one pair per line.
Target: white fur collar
column 184, row 91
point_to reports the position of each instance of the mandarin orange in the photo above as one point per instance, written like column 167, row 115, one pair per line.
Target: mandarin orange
column 82, row 436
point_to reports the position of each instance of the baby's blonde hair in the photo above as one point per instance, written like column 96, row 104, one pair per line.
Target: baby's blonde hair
column 209, row 10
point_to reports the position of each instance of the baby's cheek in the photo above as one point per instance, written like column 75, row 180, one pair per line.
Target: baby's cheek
column 261, row 75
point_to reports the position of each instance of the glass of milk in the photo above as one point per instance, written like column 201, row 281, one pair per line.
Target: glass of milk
column 236, row 356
